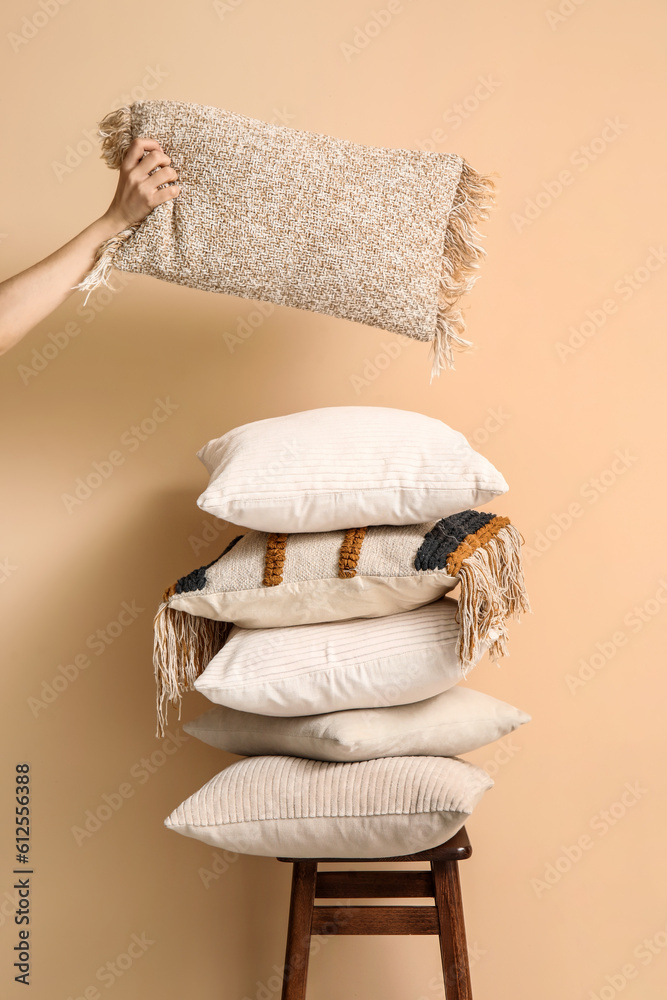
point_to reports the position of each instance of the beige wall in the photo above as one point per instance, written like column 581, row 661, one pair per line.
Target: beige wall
column 536, row 95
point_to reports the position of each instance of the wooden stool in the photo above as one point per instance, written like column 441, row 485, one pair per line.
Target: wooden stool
column 445, row 918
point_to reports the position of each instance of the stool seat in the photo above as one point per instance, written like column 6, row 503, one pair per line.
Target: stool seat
column 457, row 848
column 445, row 918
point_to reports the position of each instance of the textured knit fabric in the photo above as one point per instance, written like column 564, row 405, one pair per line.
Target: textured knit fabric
column 384, row 237
column 266, row 581
column 327, row 469
column 306, row 808
column 455, row 722
column 363, row 663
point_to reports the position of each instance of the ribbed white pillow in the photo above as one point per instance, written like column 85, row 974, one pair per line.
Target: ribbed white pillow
column 291, row 807
column 362, row 663
column 454, row 722
column 342, row 467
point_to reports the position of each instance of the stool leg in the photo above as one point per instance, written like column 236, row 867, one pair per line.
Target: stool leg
column 453, row 947
column 304, row 876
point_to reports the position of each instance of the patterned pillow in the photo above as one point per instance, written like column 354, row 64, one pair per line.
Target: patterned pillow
column 291, row 807
column 270, row 580
column 384, row 237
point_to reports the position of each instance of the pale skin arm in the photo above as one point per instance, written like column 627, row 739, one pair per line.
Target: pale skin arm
column 28, row 297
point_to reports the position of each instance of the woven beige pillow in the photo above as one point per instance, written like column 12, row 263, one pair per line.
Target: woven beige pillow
column 384, row 237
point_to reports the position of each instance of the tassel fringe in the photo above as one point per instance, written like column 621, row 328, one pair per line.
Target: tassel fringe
column 462, row 254
column 115, row 130
column 183, row 646
column 104, row 262
column 492, row 592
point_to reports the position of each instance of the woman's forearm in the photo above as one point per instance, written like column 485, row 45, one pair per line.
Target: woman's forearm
column 28, row 297
column 146, row 179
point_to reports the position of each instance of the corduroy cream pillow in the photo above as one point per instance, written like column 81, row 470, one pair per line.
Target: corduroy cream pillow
column 290, row 807
column 384, row 237
column 273, row 580
column 324, row 469
column 457, row 721
column 362, row 663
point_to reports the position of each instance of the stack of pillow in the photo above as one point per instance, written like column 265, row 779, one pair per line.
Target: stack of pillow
column 327, row 643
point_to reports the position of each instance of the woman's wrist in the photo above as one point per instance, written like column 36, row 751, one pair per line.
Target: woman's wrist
column 111, row 223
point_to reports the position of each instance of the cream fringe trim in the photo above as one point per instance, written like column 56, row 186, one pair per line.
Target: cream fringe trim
column 115, row 130
column 492, row 592
column 183, row 646
column 462, row 254
column 104, row 262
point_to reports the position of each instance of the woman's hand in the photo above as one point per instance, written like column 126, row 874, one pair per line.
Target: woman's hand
column 28, row 297
column 143, row 174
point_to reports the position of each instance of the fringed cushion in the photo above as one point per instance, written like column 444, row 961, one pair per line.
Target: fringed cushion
column 362, row 663
column 290, row 807
column 324, row 469
column 273, row 580
column 384, row 237
column 457, row 721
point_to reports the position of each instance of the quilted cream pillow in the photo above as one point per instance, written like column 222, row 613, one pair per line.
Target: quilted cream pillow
column 325, row 469
column 384, row 237
column 363, row 663
column 291, row 807
column 455, row 722
column 276, row 580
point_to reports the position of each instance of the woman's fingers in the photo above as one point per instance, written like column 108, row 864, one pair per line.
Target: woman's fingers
column 136, row 150
column 166, row 194
column 146, row 179
column 150, row 162
column 162, row 176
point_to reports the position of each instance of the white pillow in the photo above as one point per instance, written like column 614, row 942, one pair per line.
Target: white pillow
column 341, row 467
column 361, row 663
column 291, row 807
column 454, row 722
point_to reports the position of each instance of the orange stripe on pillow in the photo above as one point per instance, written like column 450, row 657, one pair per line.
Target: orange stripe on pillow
column 471, row 543
column 350, row 551
column 275, row 560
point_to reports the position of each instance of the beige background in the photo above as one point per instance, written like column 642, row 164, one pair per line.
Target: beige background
column 538, row 91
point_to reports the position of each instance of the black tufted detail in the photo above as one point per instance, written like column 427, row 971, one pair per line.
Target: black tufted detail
column 229, row 547
column 197, row 579
column 446, row 537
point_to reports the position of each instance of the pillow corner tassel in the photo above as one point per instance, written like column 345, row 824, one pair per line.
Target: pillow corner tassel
column 183, row 646
column 492, row 591
column 115, row 131
column 461, row 256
